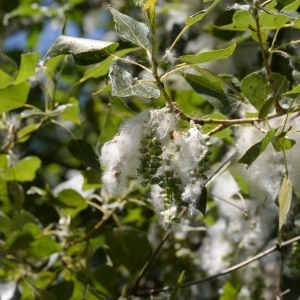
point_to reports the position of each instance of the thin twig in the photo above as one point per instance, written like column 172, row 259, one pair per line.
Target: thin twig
column 260, row 255
column 154, row 254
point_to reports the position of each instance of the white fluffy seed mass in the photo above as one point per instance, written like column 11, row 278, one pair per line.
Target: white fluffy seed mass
column 182, row 154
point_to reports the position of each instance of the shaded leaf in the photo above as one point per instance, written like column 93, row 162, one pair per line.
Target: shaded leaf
column 13, row 96
column 128, row 247
column 131, row 30
column 201, row 202
column 191, row 20
column 254, row 151
column 84, row 51
column 124, row 85
column 208, row 56
column 212, row 92
column 284, row 200
column 84, row 152
column 175, row 292
column 8, row 65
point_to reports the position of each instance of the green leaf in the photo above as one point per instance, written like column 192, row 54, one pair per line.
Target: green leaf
column 242, row 20
column 23, row 170
column 124, row 85
column 7, row 226
column 293, row 92
column 8, row 65
column 43, row 247
column 230, row 291
column 102, row 69
column 5, row 79
column 84, row 152
column 284, row 200
column 71, row 111
column 254, row 151
column 254, row 87
column 208, row 56
column 71, row 202
column 212, row 92
column 27, row 67
column 175, row 292
column 13, row 96
column 84, row 51
column 283, row 143
column 131, row 30
column 191, row 20
column 201, row 202
column 128, row 246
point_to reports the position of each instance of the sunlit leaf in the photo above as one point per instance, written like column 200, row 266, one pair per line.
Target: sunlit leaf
column 43, row 247
column 208, row 56
column 191, row 20
column 13, row 96
column 254, row 151
column 23, row 170
column 283, row 143
column 71, row 111
column 124, row 85
column 84, row 51
column 28, row 65
column 102, row 69
column 84, row 152
column 284, row 200
column 131, row 30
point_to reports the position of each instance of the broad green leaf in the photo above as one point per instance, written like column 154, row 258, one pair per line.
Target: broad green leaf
column 229, row 291
column 43, row 247
column 7, row 226
column 284, row 200
column 13, row 96
column 103, row 68
column 212, row 92
column 84, row 152
column 291, row 5
column 128, row 246
column 254, row 151
column 105, row 280
column 24, row 133
column 124, row 85
column 242, row 20
column 23, row 170
column 254, row 87
column 19, row 240
column 175, row 292
column 71, row 202
column 28, row 65
column 7, row 65
column 131, row 30
column 293, row 92
column 191, row 20
column 84, row 51
column 5, row 79
column 71, row 111
column 283, row 143
column 208, row 56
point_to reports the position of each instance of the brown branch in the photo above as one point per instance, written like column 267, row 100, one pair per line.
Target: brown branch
column 260, row 255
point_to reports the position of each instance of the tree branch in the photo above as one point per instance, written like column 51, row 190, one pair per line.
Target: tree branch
column 260, row 255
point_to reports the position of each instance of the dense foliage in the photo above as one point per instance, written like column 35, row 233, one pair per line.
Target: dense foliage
column 149, row 149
